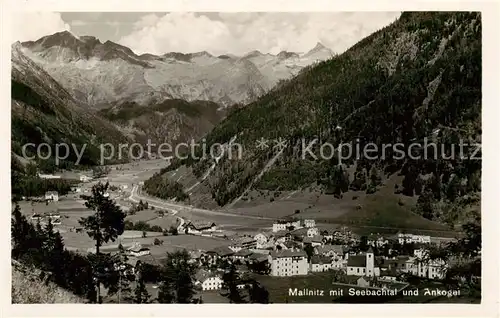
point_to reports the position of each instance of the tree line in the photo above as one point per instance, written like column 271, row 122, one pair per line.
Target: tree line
column 84, row 275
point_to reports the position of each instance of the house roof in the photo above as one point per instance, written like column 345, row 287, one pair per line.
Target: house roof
column 51, row 193
column 222, row 251
column 357, row 261
column 203, row 275
column 289, row 244
column 200, row 225
column 259, row 257
column 315, row 238
column 138, row 249
column 339, row 249
column 280, row 234
column 195, row 254
column 243, row 252
column 319, row 259
column 301, row 231
column 288, row 253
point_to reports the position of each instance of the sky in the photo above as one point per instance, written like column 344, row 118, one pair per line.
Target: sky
column 214, row 32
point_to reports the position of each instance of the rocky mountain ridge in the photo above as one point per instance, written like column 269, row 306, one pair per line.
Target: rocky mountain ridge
column 105, row 74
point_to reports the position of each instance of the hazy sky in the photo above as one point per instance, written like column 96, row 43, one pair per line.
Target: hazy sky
column 217, row 33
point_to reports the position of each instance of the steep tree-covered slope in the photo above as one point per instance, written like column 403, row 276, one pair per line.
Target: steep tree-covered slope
column 417, row 79
column 44, row 112
column 171, row 121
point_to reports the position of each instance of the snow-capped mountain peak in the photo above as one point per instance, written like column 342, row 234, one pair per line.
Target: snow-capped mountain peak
column 103, row 74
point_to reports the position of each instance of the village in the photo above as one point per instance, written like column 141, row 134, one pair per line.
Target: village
column 289, row 247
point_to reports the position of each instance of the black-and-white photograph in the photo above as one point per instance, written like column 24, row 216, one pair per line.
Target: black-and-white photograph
column 246, row 157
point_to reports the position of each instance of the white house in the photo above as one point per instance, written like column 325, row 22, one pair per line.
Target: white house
column 363, row 265
column 283, row 225
column 320, row 263
column 261, row 240
column 363, row 282
column 137, row 250
column 288, row 263
column 208, row 280
column 377, row 240
column 48, row 176
column 330, row 250
column 420, row 266
column 312, row 231
column 243, row 243
column 84, row 178
column 36, row 217
column 196, row 227
column 309, row 223
column 52, row 196
column 413, row 238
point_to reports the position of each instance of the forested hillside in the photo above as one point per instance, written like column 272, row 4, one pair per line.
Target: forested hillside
column 418, row 78
column 44, row 112
column 171, row 121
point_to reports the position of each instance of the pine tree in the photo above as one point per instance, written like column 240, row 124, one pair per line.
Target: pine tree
column 124, row 271
column 257, row 293
column 231, row 280
column 105, row 225
column 19, row 232
column 177, row 283
column 141, row 295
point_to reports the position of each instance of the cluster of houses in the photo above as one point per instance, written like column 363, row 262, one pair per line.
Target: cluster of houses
column 284, row 250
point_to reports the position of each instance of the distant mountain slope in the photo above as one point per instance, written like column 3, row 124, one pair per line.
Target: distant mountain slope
column 418, row 77
column 103, row 74
column 171, row 121
column 44, row 112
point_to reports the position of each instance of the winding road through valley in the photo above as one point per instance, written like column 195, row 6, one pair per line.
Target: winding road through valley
column 136, row 196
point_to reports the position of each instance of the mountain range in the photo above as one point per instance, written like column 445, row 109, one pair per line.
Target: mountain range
column 105, row 74
column 171, row 98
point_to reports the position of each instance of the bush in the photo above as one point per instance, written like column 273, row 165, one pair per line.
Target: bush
column 157, row 241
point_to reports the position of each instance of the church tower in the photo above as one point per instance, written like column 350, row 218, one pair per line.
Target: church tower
column 370, row 263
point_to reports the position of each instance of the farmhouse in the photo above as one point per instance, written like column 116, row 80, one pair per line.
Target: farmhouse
column 283, row 225
column 413, row 238
column 331, row 250
column 208, row 280
column 137, row 250
column 309, row 223
column 363, row 265
column 52, row 196
column 242, row 255
column 221, row 252
column 312, row 231
column 36, row 217
column 243, row 243
column 288, row 263
column 196, row 227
